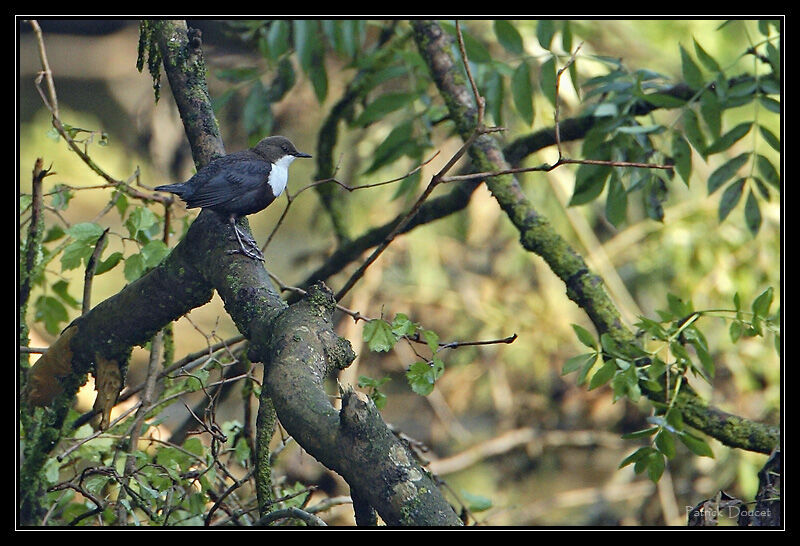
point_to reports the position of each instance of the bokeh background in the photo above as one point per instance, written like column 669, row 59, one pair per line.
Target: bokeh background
column 502, row 426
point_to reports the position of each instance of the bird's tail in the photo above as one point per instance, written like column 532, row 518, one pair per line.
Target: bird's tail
column 177, row 189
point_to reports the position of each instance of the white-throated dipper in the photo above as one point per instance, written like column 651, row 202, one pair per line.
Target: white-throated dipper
column 241, row 183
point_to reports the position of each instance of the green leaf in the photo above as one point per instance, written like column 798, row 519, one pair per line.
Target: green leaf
column 88, row 232
column 770, row 138
column 305, row 35
column 153, row 252
column 394, row 146
column 693, row 132
column 616, row 202
column 696, row 445
column 319, row 80
column 60, row 288
column 691, row 72
column 605, row 109
column 108, row 264
column 730, row 138
column 768, row 171
column 711, row 110
column 384, row 104
column 139, row 223
column 770, row 104
column 665, row 443
column 726, row 171
column 636, row 456
column 644, row 433
column 74, row 253
column 663, row 100
column 762, row 303
column 603, row 375
column 578, row 362
column 708, row 61
column 545, row 31
column 476, row 51
column 135, row 267
column 403, row 326
column 238, row 74
column 432, row 339
column 730, row 198
column 476, row 503
column 705, row 360
column 547, row 79
column 735, row 331
column 654, row 197
column 508, row 36
column 566, row 38
column 378, row 335
column 421, row 378
column 682, row 155
column 51, row 312
column 61, row 196
column 589, row 183
column 493, row 92
column 584, row 336
column 655, row 467
column 522, row 92
column 278, row 38
column 752, row 213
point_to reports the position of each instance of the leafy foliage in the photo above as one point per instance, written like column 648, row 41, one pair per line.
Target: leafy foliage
column 662, row 367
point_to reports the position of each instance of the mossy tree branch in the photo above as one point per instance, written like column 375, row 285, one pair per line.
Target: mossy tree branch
column 538, row 236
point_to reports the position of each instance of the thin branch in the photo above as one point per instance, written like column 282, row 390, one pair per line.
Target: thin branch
column 291, row 197
column 558, row 83
column 88, row 276
column 292, row 512
column 435, row 181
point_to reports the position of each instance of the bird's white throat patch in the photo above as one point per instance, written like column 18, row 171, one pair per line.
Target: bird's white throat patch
column 279, row 174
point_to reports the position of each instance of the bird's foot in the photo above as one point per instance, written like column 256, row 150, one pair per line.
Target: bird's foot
column 249, row 253
column 242, row 237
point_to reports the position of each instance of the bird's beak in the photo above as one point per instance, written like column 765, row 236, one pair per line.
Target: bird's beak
column 302, row 154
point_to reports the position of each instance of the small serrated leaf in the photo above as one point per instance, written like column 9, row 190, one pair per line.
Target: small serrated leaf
column 378, row 335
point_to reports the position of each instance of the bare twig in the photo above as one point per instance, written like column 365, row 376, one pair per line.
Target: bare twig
column 291, row 197
column 558, row 83
column 88, row 276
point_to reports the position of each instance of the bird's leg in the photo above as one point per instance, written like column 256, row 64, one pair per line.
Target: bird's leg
column 255, row 253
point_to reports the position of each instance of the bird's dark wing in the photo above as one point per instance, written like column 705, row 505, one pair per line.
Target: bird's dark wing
column 226, row 182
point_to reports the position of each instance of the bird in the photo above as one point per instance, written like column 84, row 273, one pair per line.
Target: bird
column 240, row 184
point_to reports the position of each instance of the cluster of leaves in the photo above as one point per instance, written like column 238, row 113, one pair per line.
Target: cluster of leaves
column 278, row 41
column 381, row 336
column 632, row 369
column 171, row 484
column 707, row 96
column 76, row 244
